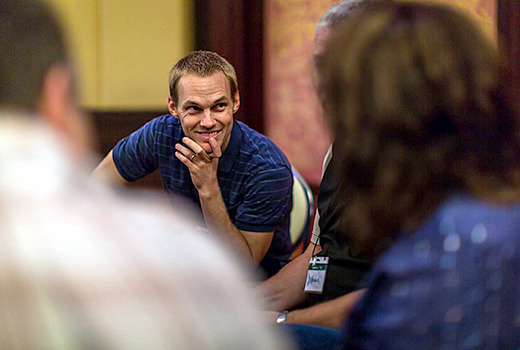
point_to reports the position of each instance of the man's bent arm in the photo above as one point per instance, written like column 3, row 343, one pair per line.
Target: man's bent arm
column 285, row 289
column 252, row 245
column 107, row 172
column 203, row 171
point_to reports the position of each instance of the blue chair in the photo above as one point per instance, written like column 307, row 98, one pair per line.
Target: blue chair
column 301, row 213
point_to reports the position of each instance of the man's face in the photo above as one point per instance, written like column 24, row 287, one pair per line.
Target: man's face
column 205, row 108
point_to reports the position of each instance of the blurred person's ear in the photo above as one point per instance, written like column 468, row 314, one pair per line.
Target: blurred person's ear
column 54, row 95
column 58, row 108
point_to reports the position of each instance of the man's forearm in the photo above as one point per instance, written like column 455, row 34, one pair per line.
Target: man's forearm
column 107, row 172
column 218, row 222
column 285, row 289
column 332, row 313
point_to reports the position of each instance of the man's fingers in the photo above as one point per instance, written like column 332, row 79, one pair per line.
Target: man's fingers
column 194, row 146
column 186, row 152
column 196, row 149
column 216, row 151
column 185, row 160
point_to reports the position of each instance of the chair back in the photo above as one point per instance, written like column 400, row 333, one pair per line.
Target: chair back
column 301, row 213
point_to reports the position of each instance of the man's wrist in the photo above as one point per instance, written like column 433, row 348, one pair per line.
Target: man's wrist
column 209, row 192
column 282, row 317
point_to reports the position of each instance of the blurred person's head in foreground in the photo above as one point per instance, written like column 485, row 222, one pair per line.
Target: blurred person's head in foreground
column 334, row 18
column 419, row 99
column 81, row 268
column 36, row 78
column 156, row 284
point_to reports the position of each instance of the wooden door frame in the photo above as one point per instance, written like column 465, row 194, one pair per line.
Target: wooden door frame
column 235, row 30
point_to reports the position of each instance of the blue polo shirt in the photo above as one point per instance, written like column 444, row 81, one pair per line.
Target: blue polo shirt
column 254, row 176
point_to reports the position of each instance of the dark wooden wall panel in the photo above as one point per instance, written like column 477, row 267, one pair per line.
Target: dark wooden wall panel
column 110, row 127
column 508, row 21
column 235, row 30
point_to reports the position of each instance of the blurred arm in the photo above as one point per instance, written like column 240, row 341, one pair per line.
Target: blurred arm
column 107, row 172
column 285, row 289
column 332, row 313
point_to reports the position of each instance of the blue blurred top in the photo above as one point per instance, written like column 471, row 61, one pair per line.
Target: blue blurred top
column 453, row 284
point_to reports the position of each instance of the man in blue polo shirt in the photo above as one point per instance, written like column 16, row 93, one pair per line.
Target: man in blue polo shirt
column 239, row 178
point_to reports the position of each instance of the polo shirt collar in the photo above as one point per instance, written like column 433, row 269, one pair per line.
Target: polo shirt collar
column 228, row 158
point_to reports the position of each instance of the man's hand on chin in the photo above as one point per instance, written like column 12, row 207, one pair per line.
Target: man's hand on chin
column 201, row 164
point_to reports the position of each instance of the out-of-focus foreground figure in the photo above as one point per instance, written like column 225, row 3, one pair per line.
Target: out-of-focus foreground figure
column 81, row 267
column 289, row 290
column 429, row 141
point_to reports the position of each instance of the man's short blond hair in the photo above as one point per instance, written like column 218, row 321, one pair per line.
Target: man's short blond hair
column 202, row 64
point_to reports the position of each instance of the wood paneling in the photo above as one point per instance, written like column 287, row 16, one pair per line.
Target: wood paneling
column 508, row 18
column 234, row 29
column 110, row 127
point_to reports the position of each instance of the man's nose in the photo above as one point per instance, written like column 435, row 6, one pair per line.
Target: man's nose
column 207, row 121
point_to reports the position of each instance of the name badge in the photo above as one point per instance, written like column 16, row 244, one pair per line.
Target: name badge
column 316, row 274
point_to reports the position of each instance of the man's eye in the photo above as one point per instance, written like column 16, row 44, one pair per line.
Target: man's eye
column 192, row 109
column 220, row 106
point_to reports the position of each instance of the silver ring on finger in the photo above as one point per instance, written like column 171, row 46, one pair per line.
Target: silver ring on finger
column 193, row 156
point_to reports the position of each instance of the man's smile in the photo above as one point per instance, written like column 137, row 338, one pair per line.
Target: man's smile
column 208, row 134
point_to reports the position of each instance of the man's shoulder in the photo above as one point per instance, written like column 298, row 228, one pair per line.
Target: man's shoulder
column 162, row 128
column 260, row 150
column 165, row 121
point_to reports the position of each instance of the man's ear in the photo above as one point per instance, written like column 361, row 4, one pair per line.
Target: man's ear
column 172, row 107
column 236, row 102
column 56, row 95
column 58, row 108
